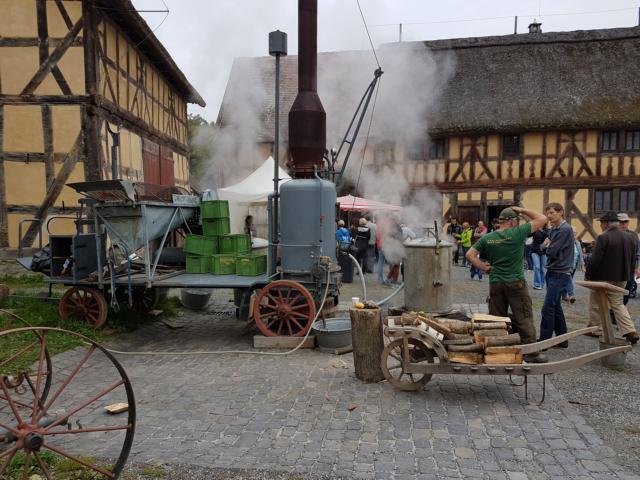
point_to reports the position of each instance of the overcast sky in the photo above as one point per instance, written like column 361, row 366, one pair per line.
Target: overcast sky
column 204, row 36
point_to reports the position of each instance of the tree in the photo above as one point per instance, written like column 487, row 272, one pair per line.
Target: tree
column 200, row 147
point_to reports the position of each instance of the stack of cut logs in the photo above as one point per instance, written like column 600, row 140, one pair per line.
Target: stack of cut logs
column 484, row 339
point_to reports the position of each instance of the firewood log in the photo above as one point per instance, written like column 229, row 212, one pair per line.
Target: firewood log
column 436, row 325
column 467, row 340
column 472, row 358
column 480, row 335
column 489, row 325
column 454, row 326
column 513, row 339
column 474, row 347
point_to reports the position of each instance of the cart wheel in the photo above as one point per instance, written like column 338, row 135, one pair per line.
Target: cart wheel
column 83, row 304
column 392, row 364
column 70, row 422
column 284, row 307
column 143, row 299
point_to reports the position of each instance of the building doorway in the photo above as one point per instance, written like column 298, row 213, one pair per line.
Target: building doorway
column 469, row 213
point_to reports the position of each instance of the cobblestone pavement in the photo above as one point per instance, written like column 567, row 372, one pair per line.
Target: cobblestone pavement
column 307, row 414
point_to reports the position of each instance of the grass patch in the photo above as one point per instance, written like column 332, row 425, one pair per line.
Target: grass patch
column 618, row 369
column 24, row 280
column 153, row 471
column 16, row 466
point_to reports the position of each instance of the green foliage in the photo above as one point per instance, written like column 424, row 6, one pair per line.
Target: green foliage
column 199, row 146
column 15, row 468
column 153, row 471
column 24, row 280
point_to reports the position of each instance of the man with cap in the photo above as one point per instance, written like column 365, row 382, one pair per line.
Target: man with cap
column 612, row 261
column 623, row 220
column 558, row 278
column 504, row 249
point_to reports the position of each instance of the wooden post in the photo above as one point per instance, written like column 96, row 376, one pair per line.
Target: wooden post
column 367, row 341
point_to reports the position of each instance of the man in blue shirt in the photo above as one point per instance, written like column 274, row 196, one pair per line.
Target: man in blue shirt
column 559, row 265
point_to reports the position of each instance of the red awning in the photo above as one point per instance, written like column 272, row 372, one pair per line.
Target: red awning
column 349, row 203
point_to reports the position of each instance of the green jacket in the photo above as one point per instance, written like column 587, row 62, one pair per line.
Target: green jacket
column 465, row 237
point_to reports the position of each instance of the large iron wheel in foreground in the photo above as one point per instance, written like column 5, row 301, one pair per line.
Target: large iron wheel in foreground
column 391, row 363
column 71, row 417
column 284, row 308
column 86, row 305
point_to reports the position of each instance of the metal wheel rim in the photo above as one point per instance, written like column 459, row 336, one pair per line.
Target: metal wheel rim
column 284, row 308
column 86, row 305
column 33, row 419
column 391, row 364
column 144, row 299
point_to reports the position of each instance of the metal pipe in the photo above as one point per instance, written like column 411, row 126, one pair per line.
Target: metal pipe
column 364, row 285
column 400, row 33
column 115, row 138
column 515, row 25
column 393, row 294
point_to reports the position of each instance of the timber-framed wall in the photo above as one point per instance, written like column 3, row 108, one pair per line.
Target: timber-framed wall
column 69, row 71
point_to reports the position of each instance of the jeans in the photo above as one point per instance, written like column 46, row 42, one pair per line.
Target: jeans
column 464, row 255
column 539, row 262
column 552, row 315
column 570, row 292
column 381, row 262
column 476, row 271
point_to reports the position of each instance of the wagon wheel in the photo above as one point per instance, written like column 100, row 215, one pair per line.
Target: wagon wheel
column 70, row 422
column 143, row 299
column 83, row 304
column 391, row 364
column 284, row 307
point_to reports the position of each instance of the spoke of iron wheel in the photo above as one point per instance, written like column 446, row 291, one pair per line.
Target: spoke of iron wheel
column 36, row 399
column 289, row 290
column 300, row 306
column 297, row 297
column 289, row 326
column 299, row 315
column 67, row 381
column 78, row 460
column 33, row 390
column 296, row 323
column 9, row 454
column 75, row 410
column 276, row 301
column 43, row 467
column 10, row 401
column 395, row 367
column 27, row 465
column 280, row 327
column 8, row 428
column 19, row 352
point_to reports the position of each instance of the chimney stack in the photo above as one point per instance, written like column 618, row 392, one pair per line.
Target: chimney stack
column 535, row 27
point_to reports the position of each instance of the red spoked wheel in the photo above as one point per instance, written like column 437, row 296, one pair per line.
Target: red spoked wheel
column 284, row 308
column 69, row 423
column 86, row 305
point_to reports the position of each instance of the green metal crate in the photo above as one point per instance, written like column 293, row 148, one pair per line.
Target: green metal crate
column 236, row 243
column 214, row 209
column 251, row 265
column 198, row 264
column 223, row 264
column 200, row 245
column 216, row 226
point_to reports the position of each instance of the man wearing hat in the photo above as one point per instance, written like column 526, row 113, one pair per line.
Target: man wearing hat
column 612, row 261
column 504, row 250
column 623, row 220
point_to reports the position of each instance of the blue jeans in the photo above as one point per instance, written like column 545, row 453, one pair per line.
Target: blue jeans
column 539, row 262
column 570, row 292
column 552, row 315
column 381, row 262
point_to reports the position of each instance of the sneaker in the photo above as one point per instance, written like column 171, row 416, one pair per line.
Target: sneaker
column 564, row 344
column 632, row 337
column 536, row 358
column 537, row 288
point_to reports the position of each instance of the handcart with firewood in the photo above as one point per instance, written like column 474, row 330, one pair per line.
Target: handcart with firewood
column 421, row 345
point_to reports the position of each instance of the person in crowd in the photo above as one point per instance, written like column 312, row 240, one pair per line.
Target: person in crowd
column 559, row 264
column 632, row 286
column 407, row 234
column 249, row 227
column 612, row 260
column 454, row 230
column 538, row 248
column 503, row 250
column 394, row 251
column 578, row 263
column 372, row 255
column 362, row 236
column 495, row 225
column 479, row 231
column 465, row 241
column 343, row 236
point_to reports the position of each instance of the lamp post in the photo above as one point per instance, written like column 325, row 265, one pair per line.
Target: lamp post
column 277, row 48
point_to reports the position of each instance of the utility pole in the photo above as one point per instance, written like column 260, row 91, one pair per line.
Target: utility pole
column 515, row 26
column 400, row 33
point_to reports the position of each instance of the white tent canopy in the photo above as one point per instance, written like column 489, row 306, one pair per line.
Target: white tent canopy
column 251, row 191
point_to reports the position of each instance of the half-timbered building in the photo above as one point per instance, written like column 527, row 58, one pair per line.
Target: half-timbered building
column 531, row 118
column 70, row 72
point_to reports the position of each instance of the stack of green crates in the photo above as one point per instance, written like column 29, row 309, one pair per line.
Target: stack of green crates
column 251, row 265
column 199, row 250
column 216, row 224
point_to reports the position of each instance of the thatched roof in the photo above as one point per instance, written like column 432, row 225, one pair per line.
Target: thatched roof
column 564, row 80
column 124, row 14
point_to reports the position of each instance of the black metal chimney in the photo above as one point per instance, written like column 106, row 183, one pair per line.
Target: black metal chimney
column 307, row 118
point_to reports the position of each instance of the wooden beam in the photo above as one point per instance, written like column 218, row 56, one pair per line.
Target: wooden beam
column 65, row 15
column 32, row 210
column 34, row 42
column 56, row 55
column 115, row 114
column 54, row 190
column 47, row 135
column 40, row 99
column 43, row 45
column 4, row 221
